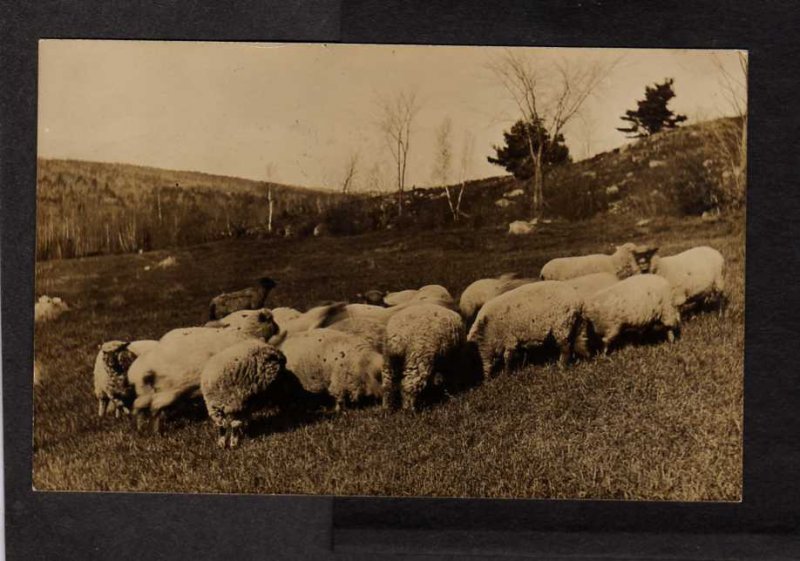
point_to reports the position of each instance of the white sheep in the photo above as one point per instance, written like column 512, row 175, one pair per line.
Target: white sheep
column 47, row 308
column 314, row 318
column 327, row 361
column 112, row 387
column 399, row 297
column 629, row 259
column 525, row 318
column 639, row 303
column 171, row 371
column 429, row 293
column 481, row 291
column 237, row 380
column 697, row 276
column 422, row 342
column 586, row 286
column 374, row 331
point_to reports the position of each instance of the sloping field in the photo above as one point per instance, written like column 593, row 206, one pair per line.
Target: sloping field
column 648, row 422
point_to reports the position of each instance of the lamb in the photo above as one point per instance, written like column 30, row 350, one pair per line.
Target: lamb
column 234, row 381
column 251, row 298
column 481, row 291
column 327, row 361
column 171, row 371
column 421, row 342
column 629, row 259
column 524, row 318
column 639, row 303
column 696, row 276
column 111, row 385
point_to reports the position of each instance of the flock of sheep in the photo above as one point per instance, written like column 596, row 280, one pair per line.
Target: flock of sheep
column 396, row 346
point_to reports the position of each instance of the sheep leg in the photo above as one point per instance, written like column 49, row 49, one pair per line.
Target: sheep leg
column 566, row 352
column 415, row 378
column 222, row 436
column 235, row 434
column 141, row 419
column 391, row 375
column 158, row 422
column 508, row 354
column 102, row 405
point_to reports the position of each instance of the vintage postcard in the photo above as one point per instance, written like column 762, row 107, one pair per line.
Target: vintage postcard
column 390, row 270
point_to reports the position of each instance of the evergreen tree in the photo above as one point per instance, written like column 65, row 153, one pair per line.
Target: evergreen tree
column 652, row 114
column 515, row 155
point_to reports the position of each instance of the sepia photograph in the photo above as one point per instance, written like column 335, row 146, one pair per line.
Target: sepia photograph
column 390, row 270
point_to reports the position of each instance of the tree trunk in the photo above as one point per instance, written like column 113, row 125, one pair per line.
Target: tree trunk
column 538, row 183
column 271, row 206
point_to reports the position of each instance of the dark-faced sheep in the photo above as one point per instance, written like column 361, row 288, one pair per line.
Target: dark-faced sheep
column 251, row 298
column 629, row 259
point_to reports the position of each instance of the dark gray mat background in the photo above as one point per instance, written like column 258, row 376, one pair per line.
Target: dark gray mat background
column 160, row 526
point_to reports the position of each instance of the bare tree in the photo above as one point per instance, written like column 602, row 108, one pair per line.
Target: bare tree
column 443, row 163
column 350, row 171
column 397, row 115
column 547, row 94
column 732, row 137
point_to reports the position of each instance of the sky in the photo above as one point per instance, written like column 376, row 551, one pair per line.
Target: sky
column 295, row 113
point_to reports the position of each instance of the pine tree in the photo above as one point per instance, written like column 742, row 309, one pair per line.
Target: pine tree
column 515, row 155
column 652, row 114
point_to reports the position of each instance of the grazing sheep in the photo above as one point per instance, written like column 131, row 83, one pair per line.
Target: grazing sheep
column 524, row 318
column 374, row 331
column 697, row 276
column 327, row 361
column 629, row 259
column 251, row 298
column 235, row 381
column 483, row 290
column 371, row 297
column 421, row 342
column 434, row 293
column 639, row 303
column 47, row 308
column 171, row 371
column 112, row 388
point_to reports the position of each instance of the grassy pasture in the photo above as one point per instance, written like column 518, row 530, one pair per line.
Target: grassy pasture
column 648, row 422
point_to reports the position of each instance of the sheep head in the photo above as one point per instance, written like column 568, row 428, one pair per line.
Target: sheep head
column 644, row 256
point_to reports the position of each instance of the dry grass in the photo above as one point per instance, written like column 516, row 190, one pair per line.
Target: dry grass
column 648, row 422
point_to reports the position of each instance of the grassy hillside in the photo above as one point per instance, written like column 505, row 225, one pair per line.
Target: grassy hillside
column 90, row 208
column 647, row 422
